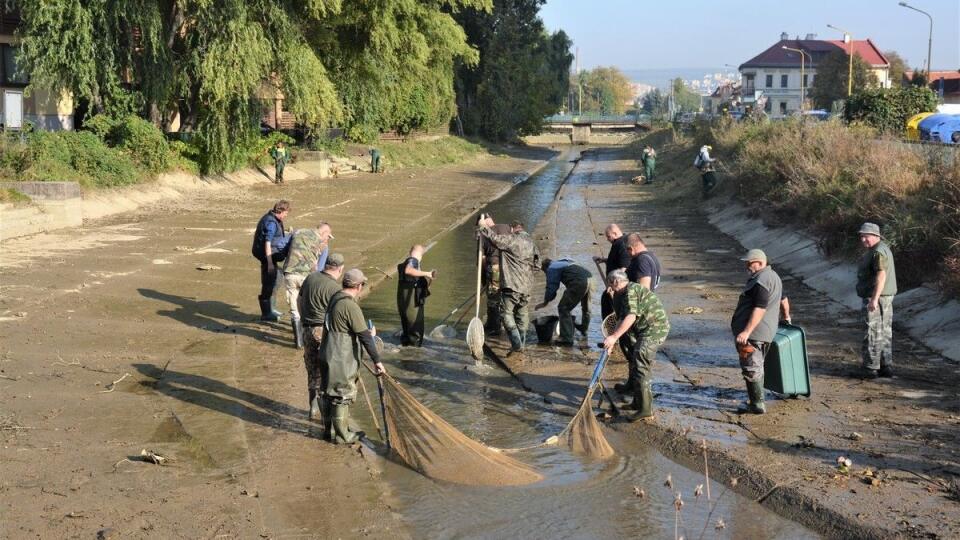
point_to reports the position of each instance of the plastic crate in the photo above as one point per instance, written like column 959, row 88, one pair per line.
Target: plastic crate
column 785, row 368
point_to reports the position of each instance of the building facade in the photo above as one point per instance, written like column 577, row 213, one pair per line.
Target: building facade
column 773, row 78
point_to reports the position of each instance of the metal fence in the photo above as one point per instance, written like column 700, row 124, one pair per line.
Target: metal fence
column 597, row 118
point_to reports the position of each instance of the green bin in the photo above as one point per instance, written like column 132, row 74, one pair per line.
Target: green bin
column 785, row 367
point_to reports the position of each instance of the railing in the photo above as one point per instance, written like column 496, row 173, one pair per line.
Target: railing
column 597, row 118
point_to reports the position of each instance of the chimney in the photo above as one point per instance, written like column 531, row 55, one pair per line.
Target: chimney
column 784, row 36
column 811, row 37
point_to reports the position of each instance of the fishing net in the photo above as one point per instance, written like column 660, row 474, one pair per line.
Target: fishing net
column 583, row 435
column 475, row 338
column 608, row 326
column 428, row 444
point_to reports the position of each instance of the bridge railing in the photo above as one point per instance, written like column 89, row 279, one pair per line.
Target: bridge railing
column 597, row 118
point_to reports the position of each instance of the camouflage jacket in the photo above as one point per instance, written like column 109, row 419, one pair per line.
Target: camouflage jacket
column 519, row 259
column 652, row 323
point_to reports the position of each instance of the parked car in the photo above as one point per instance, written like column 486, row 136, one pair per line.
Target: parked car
column 948, row 131
column 913, row 125
column 928, row 124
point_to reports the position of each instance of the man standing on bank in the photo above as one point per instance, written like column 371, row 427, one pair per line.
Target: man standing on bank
column 618, row 258
column 305, row 255
column 345, row 333
column 579, row 285
column 491, row 280
column 644, row 267
column 649, row 159
column 519, row 258
column 876, row 286
column 280, row 155
column 269, row 229
column 412, row 291
column 754, row 324
column 643, row 328
column 315, row 295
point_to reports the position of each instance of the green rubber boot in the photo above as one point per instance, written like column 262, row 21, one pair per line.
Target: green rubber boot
column 341, row 426
column 755, row 395
column 643, row 399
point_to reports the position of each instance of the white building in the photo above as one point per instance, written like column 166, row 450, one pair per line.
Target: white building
column 773, row 76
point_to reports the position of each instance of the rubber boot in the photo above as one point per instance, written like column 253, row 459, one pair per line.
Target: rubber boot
column 643, row 399
column 755, row 395
column 326, row 416
column 516, row 343
column 273, row 308
column 297, row 333
column 265, row 312
column 625, row 388
column 341, row 427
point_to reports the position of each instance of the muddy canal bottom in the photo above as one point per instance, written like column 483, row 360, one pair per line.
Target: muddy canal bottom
column 578, row 498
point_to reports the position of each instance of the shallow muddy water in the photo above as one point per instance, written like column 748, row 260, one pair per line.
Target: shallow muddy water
column 578, row 498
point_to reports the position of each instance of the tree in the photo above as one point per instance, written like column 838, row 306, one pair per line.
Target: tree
column 898, row 66
column 684, row 98
column 655, row 103
column 522, row 73
column 606, row 90
column 830, row 84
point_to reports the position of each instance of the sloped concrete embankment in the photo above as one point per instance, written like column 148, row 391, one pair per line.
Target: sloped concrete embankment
column 922, row 312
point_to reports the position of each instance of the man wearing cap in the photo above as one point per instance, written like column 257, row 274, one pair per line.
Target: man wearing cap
column 617, row 258
column 491, row 280
column 754, row 324
column 519, row 258
column 412, row 291
column 876, row 286
column 704, row 162
column 643, row 327
column 345, row 333
column 579, row 286
column 308, row 249
column 315, row 295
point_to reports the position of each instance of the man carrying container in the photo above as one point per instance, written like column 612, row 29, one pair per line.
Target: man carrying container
column 579, row 285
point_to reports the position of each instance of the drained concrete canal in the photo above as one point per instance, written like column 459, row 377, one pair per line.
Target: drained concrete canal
column 578, row 498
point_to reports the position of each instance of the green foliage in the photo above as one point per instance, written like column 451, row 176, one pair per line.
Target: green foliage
column 522, row 74
column 898, row 66
column 605, row 90
column 12, row 196
column 80, row 157
column 333, row 145
column 833, row 71
column 684, row 98
column 888, row 109
column 442, row 151
column 655, row 103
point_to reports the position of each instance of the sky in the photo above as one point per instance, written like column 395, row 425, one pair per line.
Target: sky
column 657, row 34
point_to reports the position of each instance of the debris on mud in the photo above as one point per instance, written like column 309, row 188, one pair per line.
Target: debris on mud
column 206, row 267
column 689, row 310
column 152, row 457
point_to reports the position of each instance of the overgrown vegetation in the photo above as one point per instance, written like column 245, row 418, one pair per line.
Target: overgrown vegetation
column 442, row 151
column 829, row 178
column 888, row 109
column 12, row 196
column 833, row 73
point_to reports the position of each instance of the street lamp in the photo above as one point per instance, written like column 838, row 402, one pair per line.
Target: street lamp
column 803, row 82
column 930, row 38
column 848, row 37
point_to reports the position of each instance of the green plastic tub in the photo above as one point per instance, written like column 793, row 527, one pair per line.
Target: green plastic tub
column 785, row 367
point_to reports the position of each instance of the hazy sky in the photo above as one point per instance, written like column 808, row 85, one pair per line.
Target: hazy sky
column 657, row 34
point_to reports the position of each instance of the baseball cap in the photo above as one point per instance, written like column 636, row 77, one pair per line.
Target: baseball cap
column 334, row 260
column 870, row 228
column 755, row 255
column 354, row 277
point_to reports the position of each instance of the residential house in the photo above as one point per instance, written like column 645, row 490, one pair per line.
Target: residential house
column 726, row 93
column 945, row 83
column 40, row 108
column 773, row 76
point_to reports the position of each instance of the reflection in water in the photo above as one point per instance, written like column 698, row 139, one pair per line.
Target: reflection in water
column 578, row 498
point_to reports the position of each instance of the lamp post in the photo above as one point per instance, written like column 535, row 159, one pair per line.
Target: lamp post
column 848, row 37
column 803, row 83
column 929, row 39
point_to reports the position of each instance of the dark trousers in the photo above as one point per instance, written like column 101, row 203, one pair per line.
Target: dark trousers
column 268, row 279
column 709, row 181
column 411, row 315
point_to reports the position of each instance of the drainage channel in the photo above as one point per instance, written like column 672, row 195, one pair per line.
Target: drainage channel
column 578, row 498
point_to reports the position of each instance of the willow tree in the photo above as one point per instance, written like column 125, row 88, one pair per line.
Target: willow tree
column 202, row 59
column 393, row 62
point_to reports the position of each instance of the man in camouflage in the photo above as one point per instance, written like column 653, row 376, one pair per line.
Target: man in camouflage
column 519, row 258
column 345, row 334
column 307, row 251
column 876, row 286
column 644, row 326
column 491, row 280
column 315, row 295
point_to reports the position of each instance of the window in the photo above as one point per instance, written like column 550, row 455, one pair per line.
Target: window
column 748, row 80
column 11, row 75
column 768, row 106
column 769, row 81
column 783, row 106
column 806, row 77
column 811, row 78
column 783, row 80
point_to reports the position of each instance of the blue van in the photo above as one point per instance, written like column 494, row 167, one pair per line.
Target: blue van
column 948, row 131
column 929, row 124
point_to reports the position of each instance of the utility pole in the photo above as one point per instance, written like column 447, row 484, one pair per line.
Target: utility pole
column 848, row 38
column 803, row 84
column 929, row 37
column 579, row 86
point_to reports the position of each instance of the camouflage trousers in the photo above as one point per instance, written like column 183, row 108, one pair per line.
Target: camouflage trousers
column 311, row 357
column 494, row 298
column 877, row 350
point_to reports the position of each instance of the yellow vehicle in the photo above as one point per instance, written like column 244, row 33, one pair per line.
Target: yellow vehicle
column 913, row 126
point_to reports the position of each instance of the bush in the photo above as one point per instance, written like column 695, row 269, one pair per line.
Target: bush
column 888, row 109
column 80, row 157
column 333, row 145
column 12, row 196
column 141, row 140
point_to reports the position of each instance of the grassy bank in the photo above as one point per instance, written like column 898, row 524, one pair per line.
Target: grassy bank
column 442, row 151
column 828, row 178
column 14, row 197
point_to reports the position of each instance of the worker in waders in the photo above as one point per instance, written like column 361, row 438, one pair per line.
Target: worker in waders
column 644, row 327
column 519, row 258
column 578, row 289
column 374, row 160
column 491, row 280
column 345, row 334
column 315, row 295
column 412, row 291
column 280, row 155
column 708, row 173
column 618, row 258
column 649, row 160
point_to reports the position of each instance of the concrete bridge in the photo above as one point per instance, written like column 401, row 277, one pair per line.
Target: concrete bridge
column 593, row 128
